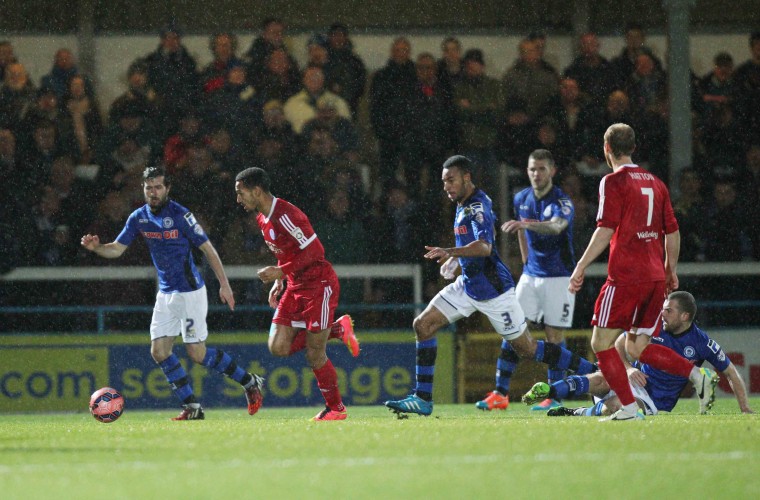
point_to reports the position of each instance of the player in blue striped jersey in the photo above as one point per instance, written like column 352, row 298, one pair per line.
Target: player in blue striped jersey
column 171, row 231
column 544, row 226
column 485, row 285
column 655, row 390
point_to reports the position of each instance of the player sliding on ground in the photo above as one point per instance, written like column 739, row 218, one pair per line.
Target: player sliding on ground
column 485, row 285
column 654, row 390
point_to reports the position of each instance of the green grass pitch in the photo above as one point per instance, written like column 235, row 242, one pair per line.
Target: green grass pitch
column 458, row 452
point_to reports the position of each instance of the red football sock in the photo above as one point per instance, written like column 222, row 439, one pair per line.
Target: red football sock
column 299, row 342
column 613, row 369
column 336, row 331
column 327, row 381
column 662, row 358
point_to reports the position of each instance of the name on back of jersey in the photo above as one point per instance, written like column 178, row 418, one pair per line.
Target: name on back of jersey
column 641, row 176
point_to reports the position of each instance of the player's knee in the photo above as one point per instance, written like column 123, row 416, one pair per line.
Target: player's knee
column 423, row 329
column 316, row 358
column 279, row 349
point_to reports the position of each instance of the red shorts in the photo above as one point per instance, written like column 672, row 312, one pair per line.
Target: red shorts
column 634, row 308
column 312, row 308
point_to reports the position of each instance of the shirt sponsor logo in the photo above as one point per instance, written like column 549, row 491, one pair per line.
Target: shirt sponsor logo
column 168, row 222
column 460, row 230
column 156, row 235
column 648, row 235
column 273, row 248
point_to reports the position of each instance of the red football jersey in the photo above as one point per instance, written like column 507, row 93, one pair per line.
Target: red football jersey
column 636, row 204
column 289, row 235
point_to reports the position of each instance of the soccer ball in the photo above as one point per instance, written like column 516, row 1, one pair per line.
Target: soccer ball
column 106, row 404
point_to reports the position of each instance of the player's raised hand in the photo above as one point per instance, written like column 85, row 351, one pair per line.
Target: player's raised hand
column 576, row 280
column 437, row 253
column 90, row 241
column 512, row 226
column 226, row 296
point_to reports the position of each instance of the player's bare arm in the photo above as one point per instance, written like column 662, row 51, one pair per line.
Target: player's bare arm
column 672, row 252
column 111, row 250
column 599, row 241
column 270, row 273
column 554, row 226
column 225, row 291
column 737, row 384
column 477, row 248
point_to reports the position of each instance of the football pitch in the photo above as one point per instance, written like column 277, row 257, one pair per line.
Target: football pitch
column 458, row 452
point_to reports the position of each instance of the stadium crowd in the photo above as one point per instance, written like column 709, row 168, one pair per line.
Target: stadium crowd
column 71, row 168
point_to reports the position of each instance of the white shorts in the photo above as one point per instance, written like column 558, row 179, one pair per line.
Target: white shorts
column 504, row 312
column 640, row 394
column 180, row 313
column 547, row 298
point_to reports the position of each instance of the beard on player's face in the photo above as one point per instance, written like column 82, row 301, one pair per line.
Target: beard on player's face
column 157, row 202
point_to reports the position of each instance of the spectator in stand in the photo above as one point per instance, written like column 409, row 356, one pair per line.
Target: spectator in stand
column 691, row 212
column 64, row 68
column 345, row 240
column 236, row 106
column 108, row 221
column 129, row 119
column 431, row 135
column 390, row 93
column 74, row 194
column 539, row 38
column 618, row 110
column 529, row 84
column 226, row 153
column 725, row 216
column 571, row 111
column 223, row 46
column 175, row 149
column 316, row 51
column 398, row 224
column 85, row 115
column 38, row 155
column 46, row 107
column 717, row 88
column 478, row 102
column 318, row 162
column 173, row 76
column 646, row 85
column 344, row 71
column 14, row 245
column 280, row 78
column 584, row 223
column 123, row 167
column 450, row 65
column 138, row 94
column 274, row 148
column 722, row 139
column 302, row 107
column 342, row 129
column 6, row 57
column 592, row 72
column 747, row 80
column 17, row 96
column 272, row 38
column 55, row 245
column 624, row 64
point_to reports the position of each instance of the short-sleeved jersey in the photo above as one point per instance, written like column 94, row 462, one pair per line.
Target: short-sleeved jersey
column 549, row 255
column 694, row 345
column 484, row 277
column 170, row 234
column 636, row 204
column 291, row 238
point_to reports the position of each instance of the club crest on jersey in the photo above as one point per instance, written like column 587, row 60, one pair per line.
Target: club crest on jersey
column 271, row 234
column 168, row 222
column 688, row 352
column 548, row 211
column 190, row 219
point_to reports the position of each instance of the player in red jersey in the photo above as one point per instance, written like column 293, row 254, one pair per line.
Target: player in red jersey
column 304, row 310
column 635, row 216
